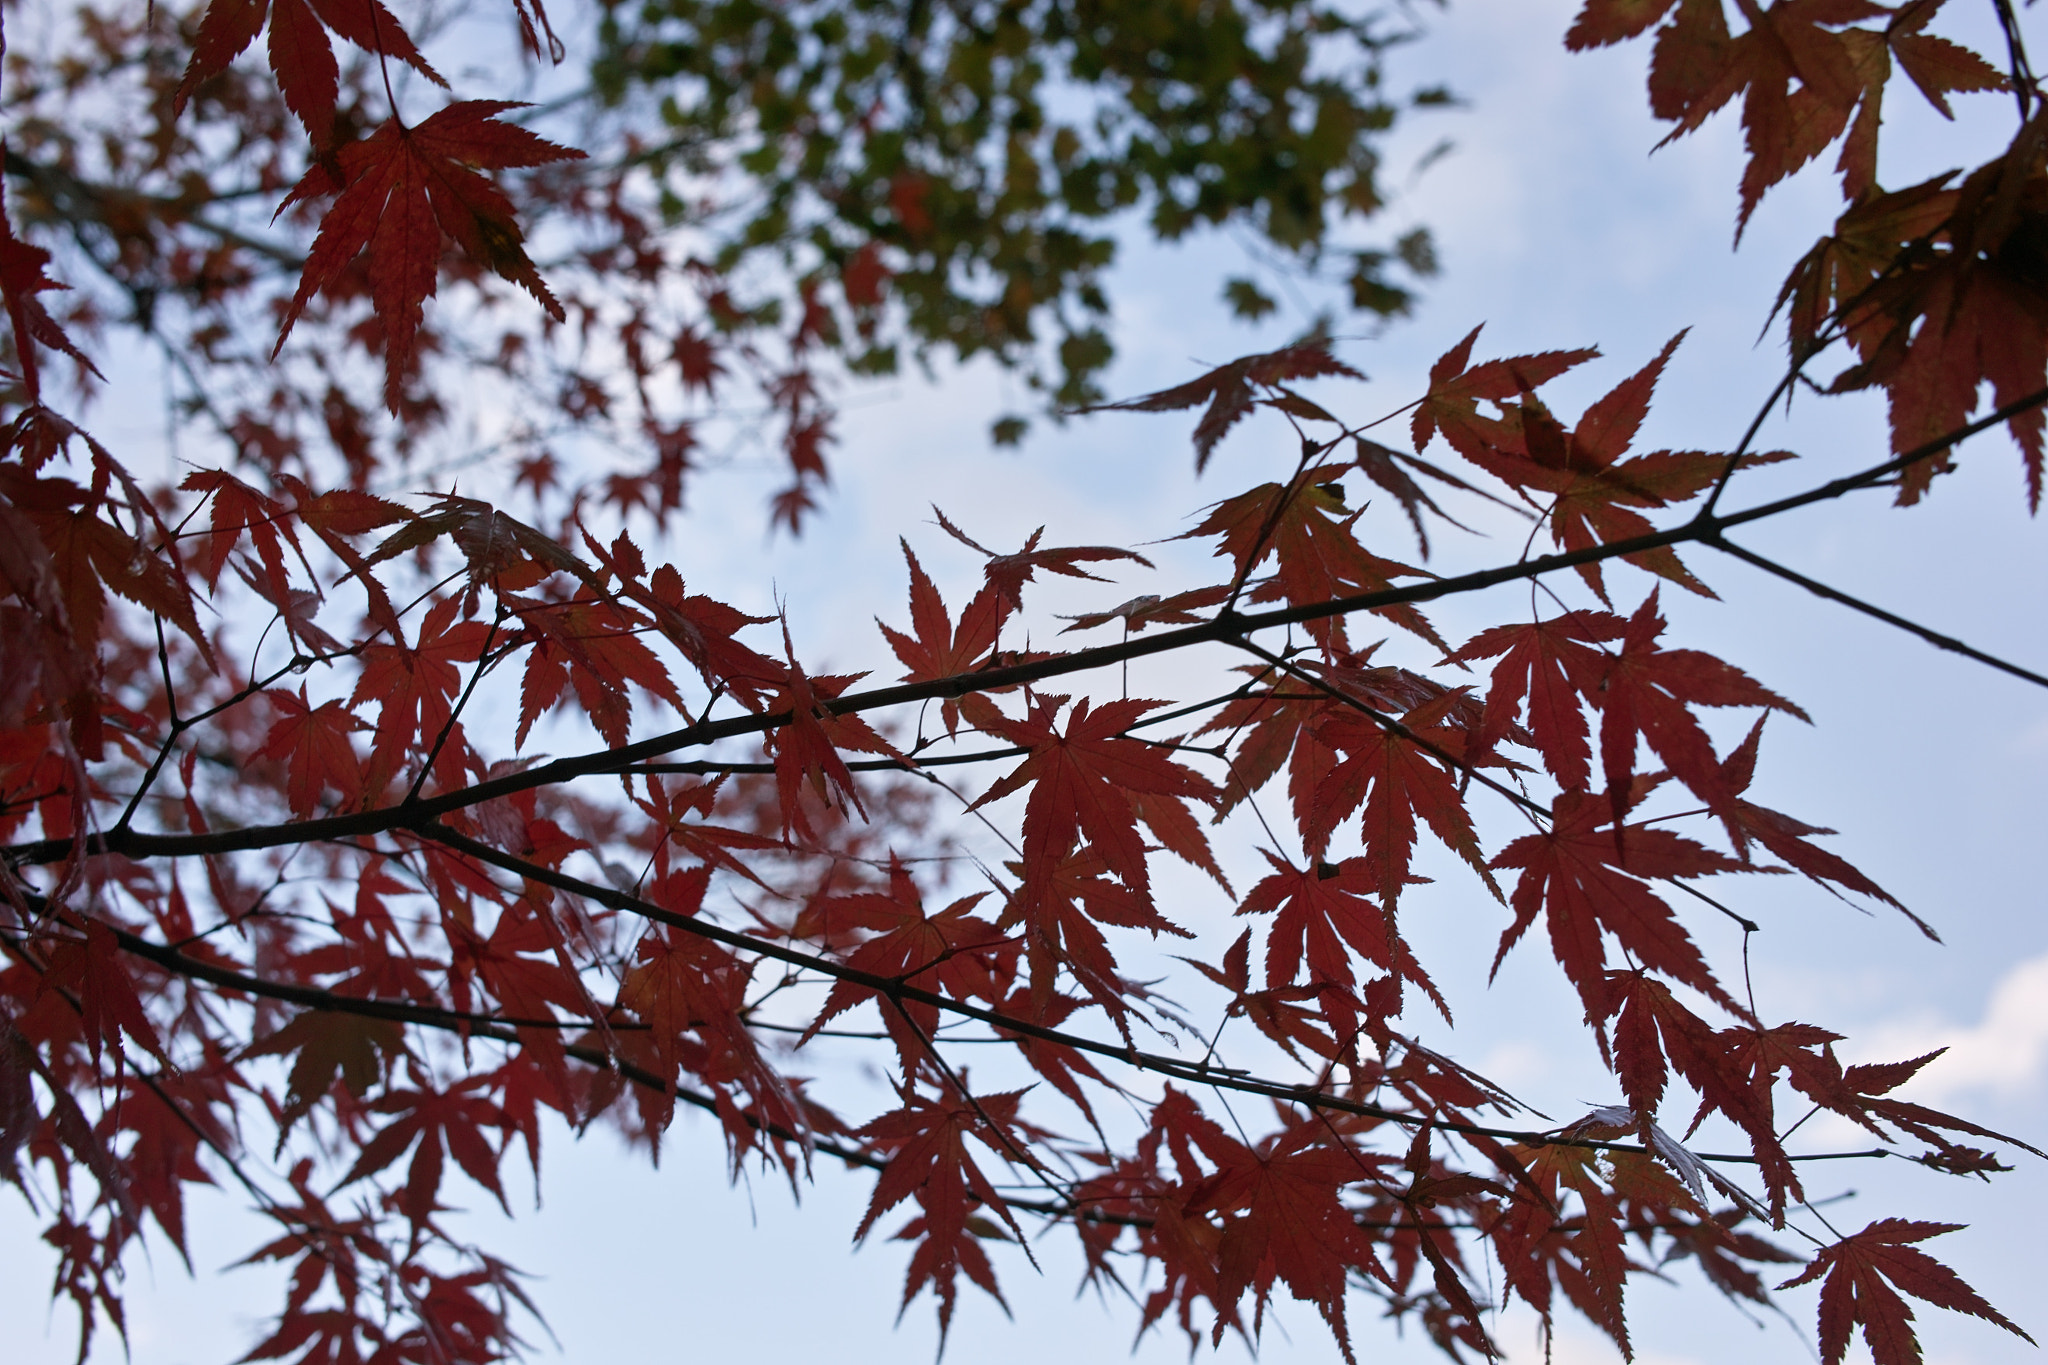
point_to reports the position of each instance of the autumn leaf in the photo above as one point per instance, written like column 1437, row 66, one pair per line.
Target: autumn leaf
column 240, row 510
column 1936, row 66
column 682, row 984
column 1320, row 912
column 414, row 688
column 1457, row 387
column 1307, row 528
column 594, row 648
column 951, row 951
column 1602, row 22
column 1787, row 838
column 806, row 750
column 939, row 649
column 86, row 555
column 1866, row 1273
column 1587, row 492
column 1386, row 770
column 300, row 54
column 1081, row 783
column 433, row 1124
column 96, row 971
column 24, row 273
column 330, row 1046
column 1061, row 917
column 1551, row 665
column 1007, row 574
column 1153, row 610
column 1383, row 465
column 1648, row 691
column 1277, row 1012
column 1833, row 281
column 401, row 191
column 1230, row 390
column 313, row 741
column 1589, row 882
column 928, row 1161
column 1284, row 1223
column 1540, row 1248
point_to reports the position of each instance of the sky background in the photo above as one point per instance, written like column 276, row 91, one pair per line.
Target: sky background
column 1556, row 228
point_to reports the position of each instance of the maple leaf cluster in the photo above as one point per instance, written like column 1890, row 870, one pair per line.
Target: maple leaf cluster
column 294, row 900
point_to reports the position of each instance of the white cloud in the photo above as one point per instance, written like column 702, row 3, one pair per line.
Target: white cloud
column 2005, row 1052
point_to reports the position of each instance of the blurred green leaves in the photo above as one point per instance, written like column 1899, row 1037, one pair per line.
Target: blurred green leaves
column 949, row 172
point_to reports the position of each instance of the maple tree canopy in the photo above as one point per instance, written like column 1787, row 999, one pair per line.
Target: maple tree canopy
column 295, row 902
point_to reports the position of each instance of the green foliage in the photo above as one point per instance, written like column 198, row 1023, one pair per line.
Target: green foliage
column 1247, row 300
column 969, row 157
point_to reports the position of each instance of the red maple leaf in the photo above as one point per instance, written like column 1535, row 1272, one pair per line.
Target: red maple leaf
column 415, row 688
column 1457, row 387
column 1383, row 465
column 594, row 647
column 1548, row 663
column 300, row 54
column 1649, row 691
column 96, row 971
column 443, row 1123
column 1306, row 526
column 1585, row 1255
column 1609, row 21
column 237, row 510
column 806, row 750
column 1283, row 1222
column 1276, row 1012
column 1229, row 389
column 1320, row 911
column 1061, row 914
column 1589, row 882
column 1865, row 1273
column 23, row 275
column 1395, row 779
column 1007, row 574
column 1595, row 492
column 1082, row 783
column 683, row 984
column 402, row 189
column 1654, row 1026
column 939, row 648
column 954, row 951
column 1153, row 610
column 929, row 1161
column 313, row 741
column 1786, row 837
